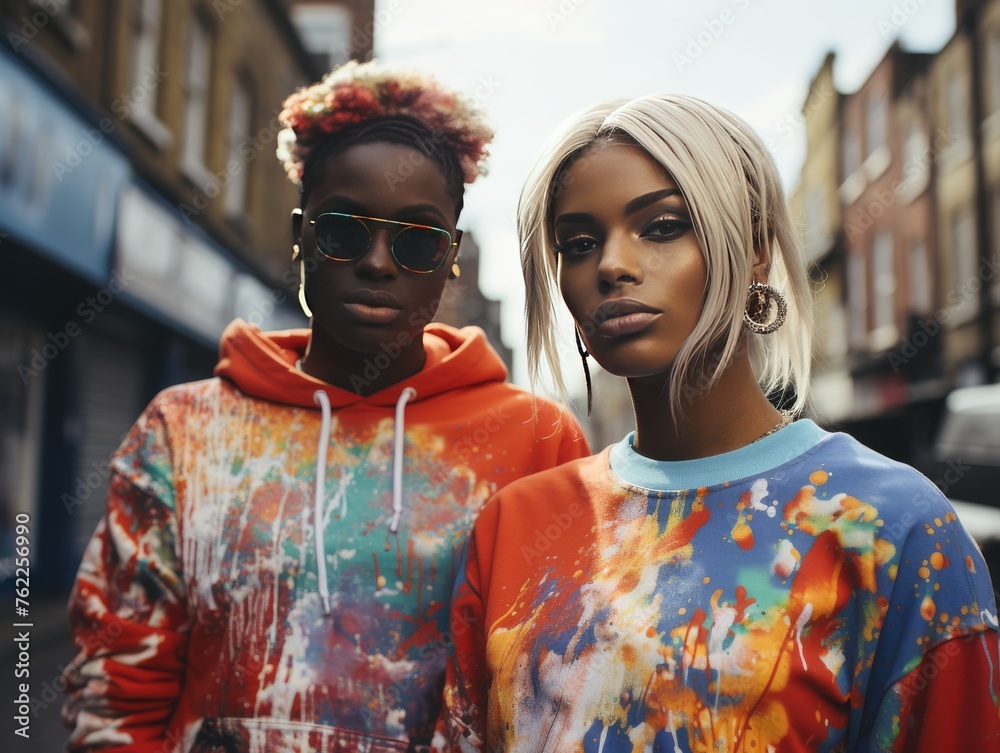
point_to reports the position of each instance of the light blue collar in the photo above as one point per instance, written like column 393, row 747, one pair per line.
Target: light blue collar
column 752, row 460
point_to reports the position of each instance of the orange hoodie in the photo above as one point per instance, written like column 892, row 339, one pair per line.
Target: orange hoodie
column 209, row 613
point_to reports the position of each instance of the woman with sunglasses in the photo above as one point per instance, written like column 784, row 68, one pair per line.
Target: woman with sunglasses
column 274, row 569
column 727, row 578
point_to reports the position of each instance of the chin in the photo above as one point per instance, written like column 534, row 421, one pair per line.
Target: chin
column 637, row 363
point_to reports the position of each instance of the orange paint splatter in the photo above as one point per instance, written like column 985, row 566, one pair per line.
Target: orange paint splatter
column 743, row 536
column 969, row 563
column 379, row 578
column 923, row 572
column 818, row 478
column 927, row 608
column 938, row 561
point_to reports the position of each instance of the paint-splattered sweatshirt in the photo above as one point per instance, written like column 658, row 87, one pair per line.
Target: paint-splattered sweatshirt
column 802, row 593
column 275, row 565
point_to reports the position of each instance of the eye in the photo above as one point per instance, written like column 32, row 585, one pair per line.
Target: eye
column 665, row 229
column 577, row 245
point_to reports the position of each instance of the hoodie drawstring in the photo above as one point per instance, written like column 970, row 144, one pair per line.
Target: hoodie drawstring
column 320, row 397
column 397, row 458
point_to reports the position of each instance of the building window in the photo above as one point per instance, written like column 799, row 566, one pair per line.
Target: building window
column 996, row 247
column 876, row 122
column 920, row 278
column 857, row 296
column 993, row 70
column 883, row 285
column 139, row 102
column 916, row 162
column 956, row 102
column 199, row 54
column 963, row 296
column 852, row 153
column 237, row 164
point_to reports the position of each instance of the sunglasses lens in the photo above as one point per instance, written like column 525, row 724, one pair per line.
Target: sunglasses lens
column 341, row 238
column 421, row 249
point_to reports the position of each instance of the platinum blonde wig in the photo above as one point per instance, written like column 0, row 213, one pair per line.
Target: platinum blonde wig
column 739, row 211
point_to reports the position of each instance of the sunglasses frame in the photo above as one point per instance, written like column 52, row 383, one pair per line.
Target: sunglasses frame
column 393, row 228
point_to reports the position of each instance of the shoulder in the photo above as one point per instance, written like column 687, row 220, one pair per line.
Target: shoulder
column 544, row 417
column 900, row 493
column 180, row 401
column 575, row 481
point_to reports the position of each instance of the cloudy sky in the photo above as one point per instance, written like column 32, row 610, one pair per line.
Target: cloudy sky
column 535, row 62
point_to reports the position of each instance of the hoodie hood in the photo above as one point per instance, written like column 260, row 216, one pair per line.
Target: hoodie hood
column 262, row 364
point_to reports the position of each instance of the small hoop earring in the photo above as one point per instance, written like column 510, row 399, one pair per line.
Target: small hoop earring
column 456, row 271
column 761, row 298
column 302, row 290
column 584, row 354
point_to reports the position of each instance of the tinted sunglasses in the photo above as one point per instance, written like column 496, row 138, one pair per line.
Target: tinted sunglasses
column 348, row 237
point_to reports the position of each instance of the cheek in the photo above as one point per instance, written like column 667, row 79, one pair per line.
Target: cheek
column 572, row 281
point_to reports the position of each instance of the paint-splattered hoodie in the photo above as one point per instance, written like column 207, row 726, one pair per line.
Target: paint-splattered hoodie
column 209, row 614
column 802, row 593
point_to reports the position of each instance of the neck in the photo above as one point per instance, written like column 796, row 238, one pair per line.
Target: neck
column 731, row 415
column 358, row 372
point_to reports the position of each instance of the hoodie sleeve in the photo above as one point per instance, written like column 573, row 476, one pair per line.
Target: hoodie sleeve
column 462, row 723
column 128, row 609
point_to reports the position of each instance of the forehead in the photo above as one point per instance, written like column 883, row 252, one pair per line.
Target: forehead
column 608, row 173
column 382, row 178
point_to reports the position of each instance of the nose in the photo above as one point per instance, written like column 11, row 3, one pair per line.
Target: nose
column 377, row 263
column 621, row 262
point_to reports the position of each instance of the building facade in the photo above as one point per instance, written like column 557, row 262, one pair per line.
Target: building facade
column 915, row 273
column 141, row 210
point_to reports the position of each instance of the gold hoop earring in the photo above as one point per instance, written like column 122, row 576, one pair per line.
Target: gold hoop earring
column 302, row 290
column 761, row 299
column 584, row 355
column 456, row 271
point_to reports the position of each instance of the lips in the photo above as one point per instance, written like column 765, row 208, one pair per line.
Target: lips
column 624, row 316
column 373, row 306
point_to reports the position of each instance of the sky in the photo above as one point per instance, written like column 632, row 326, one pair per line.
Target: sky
column 534, row 63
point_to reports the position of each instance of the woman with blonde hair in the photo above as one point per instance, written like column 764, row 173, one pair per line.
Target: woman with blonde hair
column 725, row 578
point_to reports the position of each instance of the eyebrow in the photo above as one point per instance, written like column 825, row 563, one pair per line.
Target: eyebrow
column 641, row 202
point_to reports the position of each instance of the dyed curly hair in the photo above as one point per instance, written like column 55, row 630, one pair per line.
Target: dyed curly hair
column 363, row 102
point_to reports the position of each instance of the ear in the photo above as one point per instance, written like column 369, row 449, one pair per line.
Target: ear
column 762, row 258
column 296, row 233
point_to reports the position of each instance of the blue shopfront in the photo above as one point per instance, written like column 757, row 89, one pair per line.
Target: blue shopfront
column 107, row 296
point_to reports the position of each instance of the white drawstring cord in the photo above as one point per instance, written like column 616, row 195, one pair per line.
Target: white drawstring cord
column 319, row 396
column 397, row 458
